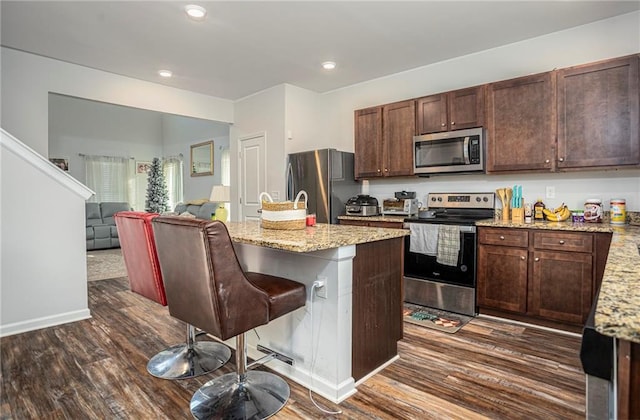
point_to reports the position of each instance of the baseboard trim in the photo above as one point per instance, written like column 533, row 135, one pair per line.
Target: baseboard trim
column 529, row 325
column 43, row 322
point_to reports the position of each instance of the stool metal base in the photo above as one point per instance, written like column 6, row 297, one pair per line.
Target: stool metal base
column 183, row 361
column 259, row 396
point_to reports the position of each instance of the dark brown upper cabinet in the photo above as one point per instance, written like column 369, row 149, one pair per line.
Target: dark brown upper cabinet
column 598, row 114
column 384, row 140
column 454, row 110
column 521, row 124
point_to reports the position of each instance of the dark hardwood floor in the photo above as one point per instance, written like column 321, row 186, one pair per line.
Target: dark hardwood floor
column 96, row 369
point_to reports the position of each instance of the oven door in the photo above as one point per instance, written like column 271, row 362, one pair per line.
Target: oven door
column 422, row 266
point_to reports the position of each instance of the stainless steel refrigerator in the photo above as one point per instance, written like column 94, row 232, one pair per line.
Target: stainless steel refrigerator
column 328, row 178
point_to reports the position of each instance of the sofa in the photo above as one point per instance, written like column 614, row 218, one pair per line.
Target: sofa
column 201, row 209
column 101, row 227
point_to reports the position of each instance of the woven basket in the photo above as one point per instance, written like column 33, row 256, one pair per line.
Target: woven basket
column 285, row 215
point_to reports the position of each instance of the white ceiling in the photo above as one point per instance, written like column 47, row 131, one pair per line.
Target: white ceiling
column 243, row 47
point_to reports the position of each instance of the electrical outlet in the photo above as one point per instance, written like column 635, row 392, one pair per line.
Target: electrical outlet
column 551, row 192
column 321, row 291
column 275, row 195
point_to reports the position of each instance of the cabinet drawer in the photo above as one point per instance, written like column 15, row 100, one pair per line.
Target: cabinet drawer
column 563, row 241
column 506, row 237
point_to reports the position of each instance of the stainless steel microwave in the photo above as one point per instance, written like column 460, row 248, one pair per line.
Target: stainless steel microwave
column 449, row 152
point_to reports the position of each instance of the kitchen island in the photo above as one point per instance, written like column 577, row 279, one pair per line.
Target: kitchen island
column 349, row 329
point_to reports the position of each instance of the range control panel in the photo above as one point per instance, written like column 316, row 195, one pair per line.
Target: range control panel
column 461, row 200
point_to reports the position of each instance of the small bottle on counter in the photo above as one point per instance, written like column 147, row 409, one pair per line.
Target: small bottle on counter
column 618, row 211
column 528, row 213
column 538, row 215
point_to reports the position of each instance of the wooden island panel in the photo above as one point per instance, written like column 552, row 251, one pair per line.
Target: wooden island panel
column 377, row 304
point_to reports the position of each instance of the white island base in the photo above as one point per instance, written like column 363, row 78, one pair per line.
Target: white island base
column 318, row 336
column 328, row 354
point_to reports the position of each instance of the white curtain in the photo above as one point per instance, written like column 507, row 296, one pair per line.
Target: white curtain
column 172, row 168
column 111, row 178
column 225, row 167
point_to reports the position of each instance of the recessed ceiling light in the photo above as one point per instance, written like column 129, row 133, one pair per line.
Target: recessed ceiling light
column 329, row 65
column 195, row 12
column 165, row 73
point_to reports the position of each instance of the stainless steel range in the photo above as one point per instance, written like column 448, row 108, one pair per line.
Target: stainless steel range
column 440, row 253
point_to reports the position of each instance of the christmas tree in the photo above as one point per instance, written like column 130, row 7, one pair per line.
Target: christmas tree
column 157, row 195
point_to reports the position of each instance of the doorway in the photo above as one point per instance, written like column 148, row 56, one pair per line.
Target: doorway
column 253, row 174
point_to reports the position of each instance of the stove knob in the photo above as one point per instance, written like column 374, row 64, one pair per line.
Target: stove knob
column 485, row 199
column 478, row 199
column 439, row 198
column 433, row 199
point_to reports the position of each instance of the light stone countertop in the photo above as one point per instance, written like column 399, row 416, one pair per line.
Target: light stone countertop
column 545, row 225
column 319, row 237
column 618, row 308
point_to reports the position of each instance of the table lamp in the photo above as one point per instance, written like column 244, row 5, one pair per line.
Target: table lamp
column 221, row 194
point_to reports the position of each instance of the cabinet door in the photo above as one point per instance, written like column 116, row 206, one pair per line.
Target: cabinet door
column 399, row 126
column 598, row 114
column 368, row 142
column 502, row 278
column 521, row 124
column 560, row 286
column 432, row 114
column 466, row 108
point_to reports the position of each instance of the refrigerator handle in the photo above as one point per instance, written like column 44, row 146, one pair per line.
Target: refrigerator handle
column 290, row 185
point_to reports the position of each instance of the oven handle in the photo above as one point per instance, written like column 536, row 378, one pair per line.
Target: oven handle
column 465, row 152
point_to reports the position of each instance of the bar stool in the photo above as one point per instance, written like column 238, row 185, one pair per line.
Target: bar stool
column 182, row 361
column 207, row 287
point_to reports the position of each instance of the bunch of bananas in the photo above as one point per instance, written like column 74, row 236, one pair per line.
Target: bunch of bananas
column 560, row 214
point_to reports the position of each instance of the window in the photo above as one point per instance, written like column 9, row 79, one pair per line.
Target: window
column 110, row 178
column 172, row 168
column 225, row 167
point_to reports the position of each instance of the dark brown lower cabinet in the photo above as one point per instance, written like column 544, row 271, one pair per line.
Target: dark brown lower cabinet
column 377, row 304
column 540, row 274
column 503, row 271
column 560, row 286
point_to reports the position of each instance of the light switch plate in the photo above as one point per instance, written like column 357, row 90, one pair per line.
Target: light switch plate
column 551, row 192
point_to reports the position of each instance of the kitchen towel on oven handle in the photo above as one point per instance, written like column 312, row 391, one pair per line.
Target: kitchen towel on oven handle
column 424, row 238
column 448, row 245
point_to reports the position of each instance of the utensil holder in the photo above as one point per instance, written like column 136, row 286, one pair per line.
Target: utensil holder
column 517, row 215
column 505, row 214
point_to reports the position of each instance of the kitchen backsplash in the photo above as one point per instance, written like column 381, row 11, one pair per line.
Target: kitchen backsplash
column 572, row 188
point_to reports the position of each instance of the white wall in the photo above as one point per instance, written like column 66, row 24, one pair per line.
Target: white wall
column 263, row 112
column 27, row 80
column 179, row 133
column 301, row 119
column 600, row 40
column 42, row 282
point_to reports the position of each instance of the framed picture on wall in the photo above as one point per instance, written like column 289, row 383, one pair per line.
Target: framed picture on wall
column 143, row 167
column 61, row 163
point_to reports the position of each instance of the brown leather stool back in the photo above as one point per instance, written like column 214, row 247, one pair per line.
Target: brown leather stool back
column 204, row 281
column 139, row 251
